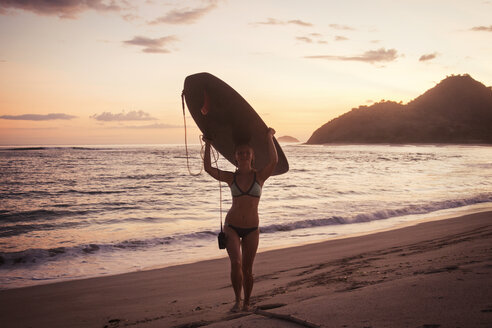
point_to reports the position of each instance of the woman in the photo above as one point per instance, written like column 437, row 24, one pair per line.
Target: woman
column 242, row 221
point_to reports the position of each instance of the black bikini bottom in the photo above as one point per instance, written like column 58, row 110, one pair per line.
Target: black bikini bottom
column 242, row 232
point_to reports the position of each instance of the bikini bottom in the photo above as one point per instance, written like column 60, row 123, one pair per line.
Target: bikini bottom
column 242, row 232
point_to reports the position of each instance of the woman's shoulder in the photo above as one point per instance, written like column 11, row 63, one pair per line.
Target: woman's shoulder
column 228, row 176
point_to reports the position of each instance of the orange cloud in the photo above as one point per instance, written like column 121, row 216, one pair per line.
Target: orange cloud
column 38, row 117
column 482, row 28
column 299, row 22
column 340, row 38
column 185, row 16
column 304, row 39
column 273, row 21
column 130, row 116
column 61, row 8
column 371, row 56
column 152, row 45
column 341, row 27
column 427, row 57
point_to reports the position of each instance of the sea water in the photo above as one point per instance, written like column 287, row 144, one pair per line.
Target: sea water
column 77, row 212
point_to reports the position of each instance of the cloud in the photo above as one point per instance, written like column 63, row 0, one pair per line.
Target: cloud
column 371, row 56
column 38, row 117
column 130, row 116
column 273, row 21
column 304, row 39
column 340, row 38
column 185, row 16
column 299, row 22
column 62, row 8
column 311, row 38
column 427, row 57
column 482, row 28
column 152, row 45
column 341, row 27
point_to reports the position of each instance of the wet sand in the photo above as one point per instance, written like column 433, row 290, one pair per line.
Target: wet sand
column 434, row 274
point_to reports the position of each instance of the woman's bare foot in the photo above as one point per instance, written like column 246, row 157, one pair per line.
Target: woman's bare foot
column 236, row 308
column 246, row 307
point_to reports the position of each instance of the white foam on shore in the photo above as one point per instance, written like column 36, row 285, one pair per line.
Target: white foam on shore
column 366, row 228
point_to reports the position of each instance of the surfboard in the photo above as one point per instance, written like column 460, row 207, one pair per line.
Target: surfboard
column 227, row 119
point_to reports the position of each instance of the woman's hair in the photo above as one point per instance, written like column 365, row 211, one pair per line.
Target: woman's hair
column 242, row 144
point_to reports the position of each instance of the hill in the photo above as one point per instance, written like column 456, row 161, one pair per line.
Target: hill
column 287, row 139
column 457, row 110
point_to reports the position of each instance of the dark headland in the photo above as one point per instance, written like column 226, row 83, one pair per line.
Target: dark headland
column 457, row 110
column 287, row 139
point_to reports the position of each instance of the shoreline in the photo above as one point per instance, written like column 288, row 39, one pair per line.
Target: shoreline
column 444, row 214
column 413, row 266
column 382, row 226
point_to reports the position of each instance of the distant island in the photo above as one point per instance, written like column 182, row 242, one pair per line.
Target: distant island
column 287, row 139
column 457, row 110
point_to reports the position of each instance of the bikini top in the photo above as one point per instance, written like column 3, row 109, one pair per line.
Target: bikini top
column 253, row 191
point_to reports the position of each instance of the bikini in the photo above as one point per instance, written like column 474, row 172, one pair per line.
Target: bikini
column 241, row 232
column 253, row 191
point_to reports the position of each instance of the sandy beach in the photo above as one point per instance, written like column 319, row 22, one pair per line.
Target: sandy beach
column 434, row 274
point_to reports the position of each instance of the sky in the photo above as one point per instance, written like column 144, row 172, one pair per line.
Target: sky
column 98, row 72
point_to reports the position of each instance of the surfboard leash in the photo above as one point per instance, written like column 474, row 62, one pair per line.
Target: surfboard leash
column 186, row 141
column 214, row 152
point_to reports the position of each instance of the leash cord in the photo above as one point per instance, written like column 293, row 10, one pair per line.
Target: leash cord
column 186, row 141
column 214, row 152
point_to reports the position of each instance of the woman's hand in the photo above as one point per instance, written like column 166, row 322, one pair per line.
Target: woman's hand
column 270, row 132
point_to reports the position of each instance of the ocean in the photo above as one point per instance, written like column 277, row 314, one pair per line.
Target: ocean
column 87, row 211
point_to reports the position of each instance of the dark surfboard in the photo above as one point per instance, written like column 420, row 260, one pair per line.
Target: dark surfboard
column 227, row 119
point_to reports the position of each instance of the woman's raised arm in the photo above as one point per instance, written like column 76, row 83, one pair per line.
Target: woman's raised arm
column 217, row 174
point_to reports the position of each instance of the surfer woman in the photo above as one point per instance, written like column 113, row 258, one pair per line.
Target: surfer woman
column 242, row 220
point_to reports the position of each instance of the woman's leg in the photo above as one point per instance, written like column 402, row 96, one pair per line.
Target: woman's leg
column 234, row 251
column 249, row 248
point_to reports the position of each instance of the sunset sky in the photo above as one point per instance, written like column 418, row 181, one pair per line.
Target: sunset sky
column 111, row 72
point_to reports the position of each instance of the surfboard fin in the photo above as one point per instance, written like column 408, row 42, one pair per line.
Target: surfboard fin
column 206, row 103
